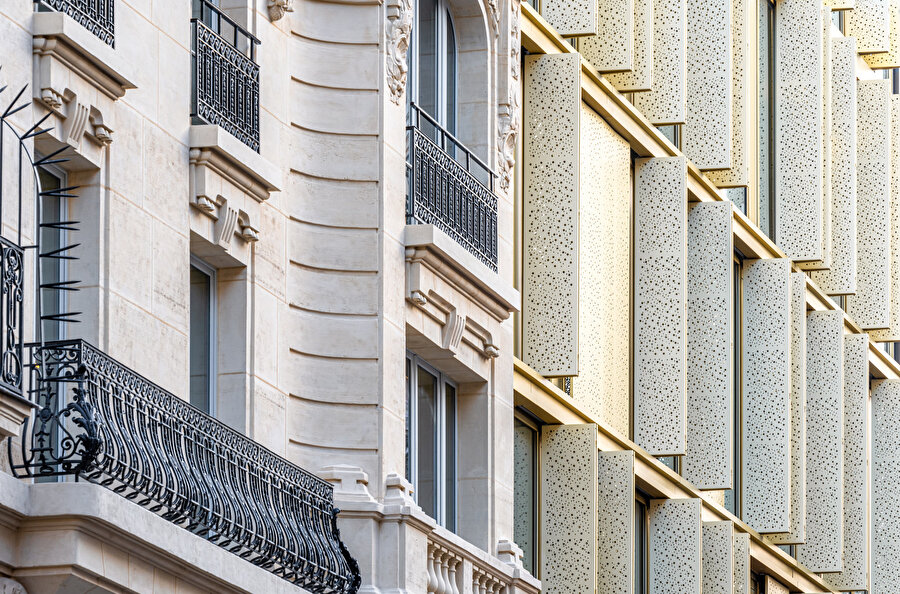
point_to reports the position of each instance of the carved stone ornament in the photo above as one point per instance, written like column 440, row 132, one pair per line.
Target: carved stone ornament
column 399, row 25
column 277, row 8
column 508, row 133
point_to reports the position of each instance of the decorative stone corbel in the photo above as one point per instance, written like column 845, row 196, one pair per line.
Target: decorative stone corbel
column 510, row 553
column 249, row 233
column 453, row 331
column 76, row 123
column 226, row 225
column 277, row 8
column 10, row 586
column 97, row 129
column 399, row 25
column 508, row 132
column 350, row 482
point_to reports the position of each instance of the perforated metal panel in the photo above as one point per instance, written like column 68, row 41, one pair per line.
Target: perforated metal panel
column 765, row 448
column 641, row 74
column 840, row 4
column 854, row 575
column 605, row 274
column 797, row 532
column 568, row 508
column 891, row 58
column 572, row 17
column 773, row 586
column 615, row 514
column 660, row 303
column 825, row 262
column 841, row 278
column 664, row 103
column 892, row 333
column 675, row 546
column 885, row 487
column 708, row 462
column 613, row 49
column 869, row 23
column 706, row 134
column 798, row 128
column 741, row 105
column 824, row 444
column 718, row 557
column 742, row 563
column 870, row 306
column 550, row 225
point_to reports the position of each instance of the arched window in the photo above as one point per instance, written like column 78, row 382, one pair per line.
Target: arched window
column 433, row 54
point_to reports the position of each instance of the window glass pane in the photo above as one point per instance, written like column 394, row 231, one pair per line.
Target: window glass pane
column 449, row 485
column 640, row 547
column 51, row 268
column 739, row 197
column 427, row 64
column 766, row 116
column 409, row 408
column 731, row 503
column 426, row 454
column 200, row 348
column 450, row 84
column 524, row 492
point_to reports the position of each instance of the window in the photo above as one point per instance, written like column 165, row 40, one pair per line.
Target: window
column 434, row 65
column 203, row 336
column 756, row 584
column 837, row 19
column 672, row 133
column 431, row 440
column 525, row 491
column 739, row 197
column 641, row 543
column 732, row 496
column 53, row 269
column 767, row 117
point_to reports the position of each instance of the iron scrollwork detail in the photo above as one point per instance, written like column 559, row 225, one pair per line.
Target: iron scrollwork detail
column 127, row 434
column 97, row 16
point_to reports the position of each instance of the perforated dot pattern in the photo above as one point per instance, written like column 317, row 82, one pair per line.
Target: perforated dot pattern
column 766, row 336
column 742, row 563
column 797, row 532
column 773, row 586
column 708, row 459
column 825, row 262
column 870, row 306
column 550, row 279
column 605, row 274
column 718, row 557
column 824, row 445
column 568, row 507
column 571, row 17
column 892, row 333
column 664, row 102
column 706, row 134
column 615, row 521
column 869, row 23
column 891, row 58
column 841, row 278
column 798, row 128
column 675, row 546
column 660, row 304
column 639, row 78
column 613, row 49
column 885, row 578
column 856, row 396
column 741, row 116
column 840, row 4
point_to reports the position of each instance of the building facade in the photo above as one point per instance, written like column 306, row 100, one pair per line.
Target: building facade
column 449, row 296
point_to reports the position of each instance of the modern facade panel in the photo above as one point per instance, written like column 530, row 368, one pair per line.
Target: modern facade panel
column 660, row 290
column 824, row 548
column 665, row 102
column 885, row 466
column 718, row 557
column 570, row 18
column 602, row 385
column 892, row 332
column 709, row 346
column 612, row 50
column 869, row 22
column 766, row 394
column 870, row 306
column 615, row 515
column 640, row 77
column 675, row 546
column 890, row 58
column 553, row 105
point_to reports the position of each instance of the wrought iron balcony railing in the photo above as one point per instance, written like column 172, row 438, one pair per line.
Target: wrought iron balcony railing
column 450, row 188
column 101, row 421
column 97, row 16
column 226, row 75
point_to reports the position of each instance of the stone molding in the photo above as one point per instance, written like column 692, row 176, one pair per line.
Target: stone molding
column 399, row 25
column 13, row 412
column 83, row 518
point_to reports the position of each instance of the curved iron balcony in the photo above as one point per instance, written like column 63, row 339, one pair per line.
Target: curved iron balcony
column 97, row 16
column 101, row 421
column 225, row 74
column 450, row 188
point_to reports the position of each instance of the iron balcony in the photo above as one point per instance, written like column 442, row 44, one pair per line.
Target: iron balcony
column 97, row 16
